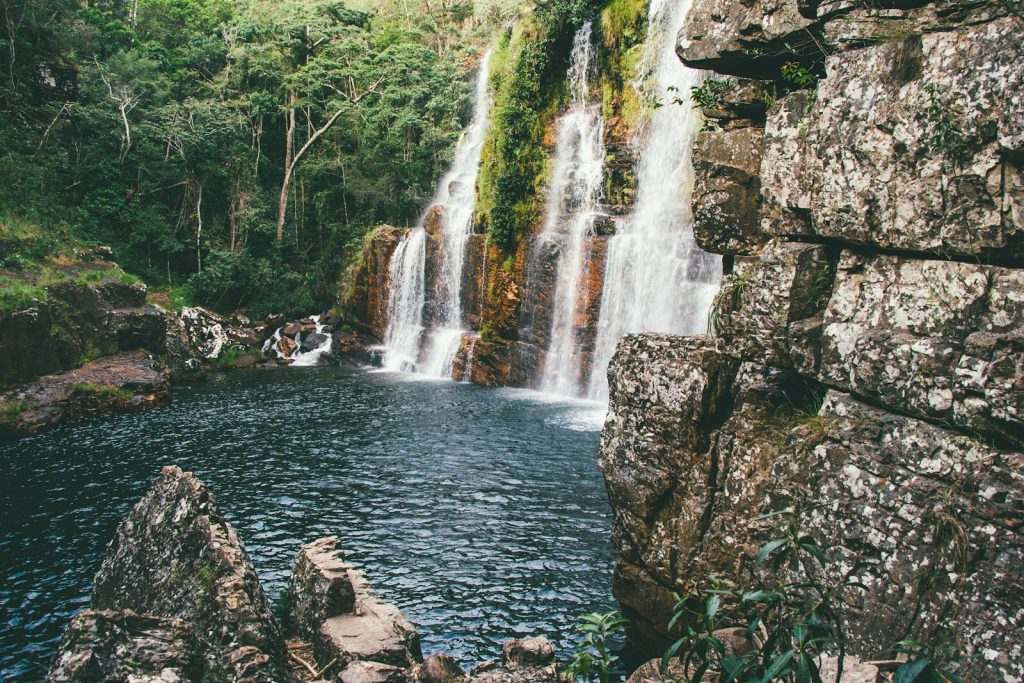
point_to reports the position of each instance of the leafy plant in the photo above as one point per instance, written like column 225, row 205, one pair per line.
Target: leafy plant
column 594, row 659
column 798, row 75
column 787, row 623
column 711, row 92
column 946, row 137
column 925, row 664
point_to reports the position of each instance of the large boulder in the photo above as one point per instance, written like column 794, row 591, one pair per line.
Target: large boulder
column 363, row 291
column 175, row 556
column 727, row 190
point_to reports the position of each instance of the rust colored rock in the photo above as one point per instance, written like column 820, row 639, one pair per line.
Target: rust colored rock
column 522, row 651
column 373, row 672
column 363, row 290
column 287, row 346
column 291, row 329
column 434, row 221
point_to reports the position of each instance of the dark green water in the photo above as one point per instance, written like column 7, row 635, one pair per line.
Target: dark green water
column 481, row 513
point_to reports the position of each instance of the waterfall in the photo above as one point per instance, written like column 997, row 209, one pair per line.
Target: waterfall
column 656, row 278
column 457, row 193
column 407, row 295
column 573, row 199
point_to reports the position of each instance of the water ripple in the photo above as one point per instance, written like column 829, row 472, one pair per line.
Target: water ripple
column 481, row 513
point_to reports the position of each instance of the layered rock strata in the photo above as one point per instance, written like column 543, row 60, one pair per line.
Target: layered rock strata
column 868, row 363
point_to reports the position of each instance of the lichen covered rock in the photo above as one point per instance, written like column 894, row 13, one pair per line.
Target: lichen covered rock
column 175, row 556
column 125, row 647
column 938, row 339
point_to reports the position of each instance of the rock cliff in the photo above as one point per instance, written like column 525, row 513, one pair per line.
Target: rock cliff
column 861, row 171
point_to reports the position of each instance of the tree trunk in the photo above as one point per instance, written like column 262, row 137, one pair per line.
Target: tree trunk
column 289, row 141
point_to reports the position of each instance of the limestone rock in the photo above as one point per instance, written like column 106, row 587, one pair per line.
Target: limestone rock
column 125, row 647
column 868, row 167
column 727, row 191
column 175, row 556
column 320, row 586
column 938, row 339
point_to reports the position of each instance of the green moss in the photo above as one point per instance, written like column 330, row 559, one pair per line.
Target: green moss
column 527, row 74
column 228, row 356
column 487, row 333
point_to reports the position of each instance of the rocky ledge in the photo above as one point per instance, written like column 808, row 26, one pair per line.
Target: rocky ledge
column 129, row 382
column 177, row 599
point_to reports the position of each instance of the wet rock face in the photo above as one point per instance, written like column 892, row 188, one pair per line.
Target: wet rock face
column 175, row 556
column 364, row 289
column 125, row 647
column 875, row 170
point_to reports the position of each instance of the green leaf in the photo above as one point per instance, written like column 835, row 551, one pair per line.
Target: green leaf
column 714, row 602
column 768, row 548
column 909, row 672
column 778, row 666
column 810, row 546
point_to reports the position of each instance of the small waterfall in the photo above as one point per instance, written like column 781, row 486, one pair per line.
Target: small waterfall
column 656, row 278
column 572, row 205
column 307, row 347
column 457, row 194
column 406, row 296
column 406, row 338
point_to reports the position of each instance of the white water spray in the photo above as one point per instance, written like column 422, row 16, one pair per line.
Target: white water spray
column 572, row 205
column 456, row 194
column 311, row 356
column 656, row 277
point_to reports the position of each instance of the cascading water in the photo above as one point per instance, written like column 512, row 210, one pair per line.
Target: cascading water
column 405, row 302
column 656, row 277
column 456, row 194
column 309, row 347
column 571, row 208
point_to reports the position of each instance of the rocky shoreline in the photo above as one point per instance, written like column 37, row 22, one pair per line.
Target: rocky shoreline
column 98, row 348
column 177, row 599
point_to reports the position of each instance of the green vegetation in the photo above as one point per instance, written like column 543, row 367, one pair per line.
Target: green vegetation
column 527, row 74
column 281, row 609
column 943, row 121
column 99, row 391
column 594, row 658
column 233, row 150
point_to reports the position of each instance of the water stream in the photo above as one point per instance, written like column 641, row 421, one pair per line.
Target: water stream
column 480, row 512
column 656, row 278
column 573, row 200
column 410, row 345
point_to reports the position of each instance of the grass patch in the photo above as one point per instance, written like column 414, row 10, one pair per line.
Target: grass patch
column 228, row 356
column 104, row 391
column 17, row 296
